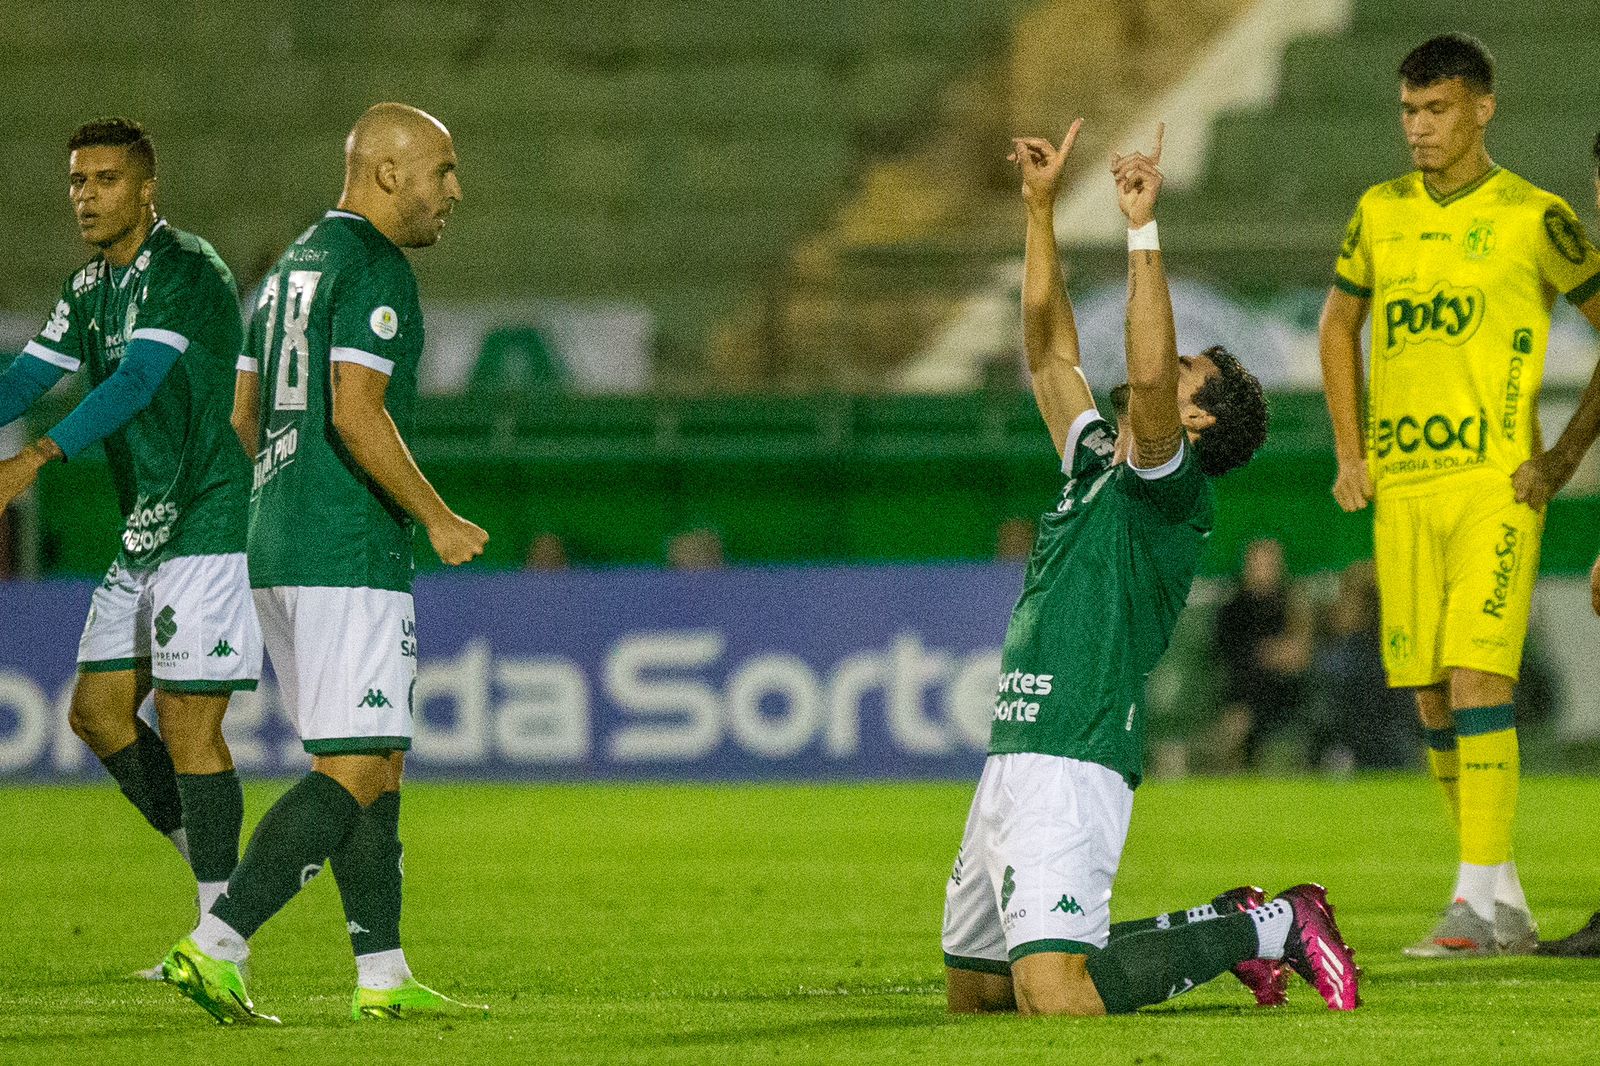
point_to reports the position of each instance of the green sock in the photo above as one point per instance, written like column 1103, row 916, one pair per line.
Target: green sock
column 368, row 866
column 143, row 771
column 1154, row 966
column 1170, row 920
column 287, row 850
column 213, row 815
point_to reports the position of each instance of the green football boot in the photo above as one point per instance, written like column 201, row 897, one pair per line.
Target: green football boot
column 411, row 1000
column 215, row 984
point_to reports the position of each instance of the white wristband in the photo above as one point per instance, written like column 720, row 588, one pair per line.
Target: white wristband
column 1144, row 239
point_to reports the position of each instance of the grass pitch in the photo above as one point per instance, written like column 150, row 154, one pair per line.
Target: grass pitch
column 623, row 924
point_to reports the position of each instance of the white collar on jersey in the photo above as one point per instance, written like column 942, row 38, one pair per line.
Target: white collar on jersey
column 336, row 213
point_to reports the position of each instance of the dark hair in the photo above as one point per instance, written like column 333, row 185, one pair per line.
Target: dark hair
column 1449, row 55
column 1235, row 400
column 116, row 133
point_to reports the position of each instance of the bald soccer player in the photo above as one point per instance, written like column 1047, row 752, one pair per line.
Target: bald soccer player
column 325, row 391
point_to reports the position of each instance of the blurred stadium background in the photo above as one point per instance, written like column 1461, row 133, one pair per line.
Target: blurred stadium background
column 733, row 285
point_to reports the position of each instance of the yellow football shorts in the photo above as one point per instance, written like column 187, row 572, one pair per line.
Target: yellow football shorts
column 1456, row 571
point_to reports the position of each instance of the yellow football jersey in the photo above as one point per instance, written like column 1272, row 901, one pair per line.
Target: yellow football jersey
column 1461, row 289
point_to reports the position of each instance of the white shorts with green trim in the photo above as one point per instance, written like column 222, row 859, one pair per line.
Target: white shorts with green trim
column 346, row 661
column 1042, row 845
column 190, row 620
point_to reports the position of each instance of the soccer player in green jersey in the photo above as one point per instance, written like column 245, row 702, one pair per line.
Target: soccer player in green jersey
column 1027, row 923
column 154, row 317
column 325, row 393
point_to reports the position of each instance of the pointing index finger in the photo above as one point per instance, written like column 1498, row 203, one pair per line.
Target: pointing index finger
column 1161, row 131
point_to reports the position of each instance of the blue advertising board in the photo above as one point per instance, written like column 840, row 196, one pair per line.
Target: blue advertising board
column 741, row 674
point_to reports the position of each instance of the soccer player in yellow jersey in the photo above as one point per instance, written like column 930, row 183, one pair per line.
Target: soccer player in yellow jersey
column 1460, row 263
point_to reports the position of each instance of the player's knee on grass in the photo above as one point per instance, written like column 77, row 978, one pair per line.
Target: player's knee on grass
column 1053, row 982
column 191, row 726
column 365, row 775
column 104, row 706
column 1477, row 688
column 1433, row 706
column 971, row 992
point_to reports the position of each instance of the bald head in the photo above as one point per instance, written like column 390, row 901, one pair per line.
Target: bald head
column 399, row 171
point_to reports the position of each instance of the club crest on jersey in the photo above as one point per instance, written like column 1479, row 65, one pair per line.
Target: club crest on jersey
column 1446, row 313
column 1480, row 239
column 385, row 323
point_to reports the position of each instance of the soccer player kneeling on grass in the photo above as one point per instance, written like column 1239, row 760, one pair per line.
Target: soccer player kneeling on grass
column 154, row 319
column 325, row 390
column 1027, row 922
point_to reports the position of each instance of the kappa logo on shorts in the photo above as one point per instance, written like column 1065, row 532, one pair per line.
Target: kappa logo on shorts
column 375, row 698
column 166, row 625
column 1067, row 905
column 222, row 650
column 1008, row 885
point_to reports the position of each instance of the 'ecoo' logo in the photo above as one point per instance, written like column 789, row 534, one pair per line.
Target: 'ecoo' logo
column 1446, row 313
column 1437, row 433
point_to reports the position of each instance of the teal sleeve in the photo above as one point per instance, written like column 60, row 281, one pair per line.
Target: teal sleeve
column 119, row 397
column 25, row 380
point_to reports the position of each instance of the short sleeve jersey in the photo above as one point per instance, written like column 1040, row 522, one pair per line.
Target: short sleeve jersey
column 1108, row 577
column 1462, row 289
column 180, row 477
column 343, row 293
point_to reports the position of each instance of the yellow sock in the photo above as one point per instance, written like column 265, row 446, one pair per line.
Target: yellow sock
column 1488, row 782
column 1445, row 764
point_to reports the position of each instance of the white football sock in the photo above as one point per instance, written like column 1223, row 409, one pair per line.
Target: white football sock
column 180, row 840
column 220, row 940
column 1475, row 884
column 210, row 892
column 382, row 969
column 1272, row 928
column 1508, row 887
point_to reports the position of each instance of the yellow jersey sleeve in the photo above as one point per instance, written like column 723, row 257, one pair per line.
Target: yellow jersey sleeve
column 1568, row 260
column 1353, row 272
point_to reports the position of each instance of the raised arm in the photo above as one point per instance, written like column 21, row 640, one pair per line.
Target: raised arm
column 1340, row 340
column 247, row 407
column 1151, row 338
column 373, row 441
column 1049, row 333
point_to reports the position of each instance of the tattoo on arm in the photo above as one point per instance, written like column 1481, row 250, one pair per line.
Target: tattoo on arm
column 1150, row 454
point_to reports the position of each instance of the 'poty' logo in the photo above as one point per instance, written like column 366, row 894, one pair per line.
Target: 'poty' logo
column 1446, row 313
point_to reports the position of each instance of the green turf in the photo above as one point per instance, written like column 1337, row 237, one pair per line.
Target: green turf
column 782, row 924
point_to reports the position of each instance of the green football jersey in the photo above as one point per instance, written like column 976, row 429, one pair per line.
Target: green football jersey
column 1109, row 575
column 343, row 292
column 180, row 476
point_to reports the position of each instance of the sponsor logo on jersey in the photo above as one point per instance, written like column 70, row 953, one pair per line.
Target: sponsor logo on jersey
column 222, row 650
column 1024, row 685
column 87, row 278
column 1480, row 239
column 1449, row 314
column 1008, row 885
column 1067, row 905
column 279, row 453
column 166, row 625
column 149, row 528
column 1505, row 568
column 1435, row 432
column 385, row 323
column 408, row 638
column 1521, row 345
column 1352, row 237
column 56, row 328
column 375, row 698
column 1566, row 233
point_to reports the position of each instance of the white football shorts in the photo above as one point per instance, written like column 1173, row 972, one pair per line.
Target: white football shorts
column 346, row 663
column 190, row 618
column 1041, row 848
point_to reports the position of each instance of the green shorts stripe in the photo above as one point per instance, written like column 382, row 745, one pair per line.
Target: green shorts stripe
column 961, row 962
column 1037, row 947
column 242, row 684
column 107, row 666
column 354, row 745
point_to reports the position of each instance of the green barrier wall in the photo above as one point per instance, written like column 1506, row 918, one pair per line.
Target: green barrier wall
column 797, row 480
